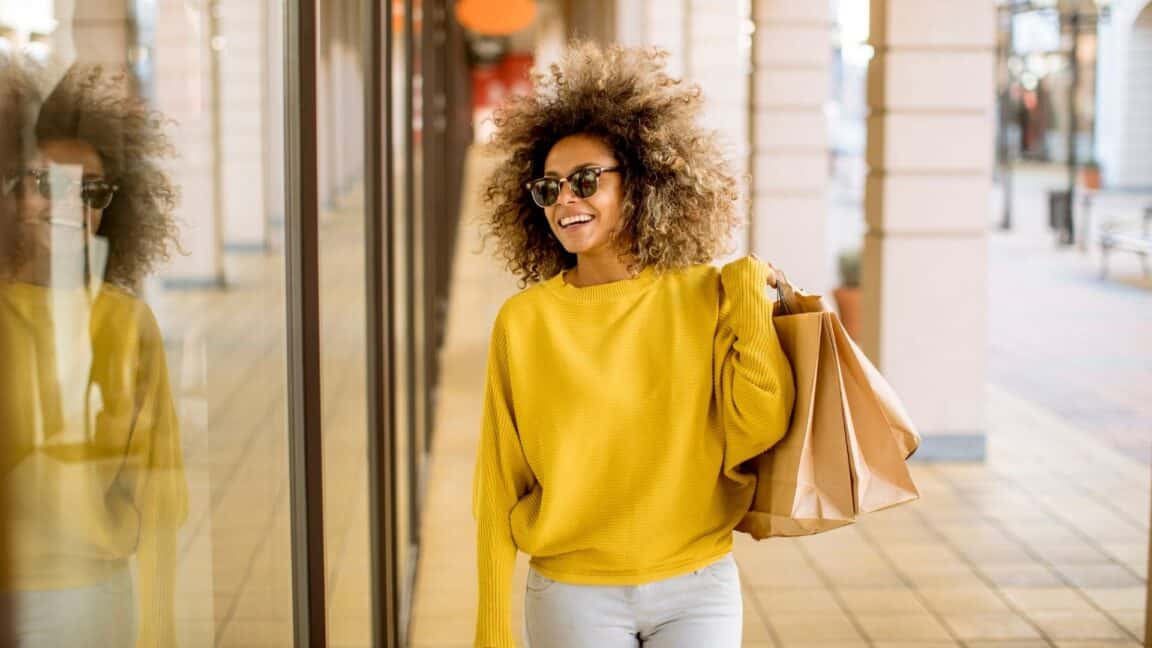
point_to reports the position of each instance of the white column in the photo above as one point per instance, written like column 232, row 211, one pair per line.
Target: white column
column 629, row 23
column 243, row 105
column 930, row 147
column 718, row 61
column 707, row 45
column 184, row 93
column 1134, row 168
column 664, row 26
column 792, row 56
column 273, row 130
column 99, row 29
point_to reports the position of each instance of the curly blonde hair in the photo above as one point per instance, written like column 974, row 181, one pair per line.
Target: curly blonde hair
column 679, row 203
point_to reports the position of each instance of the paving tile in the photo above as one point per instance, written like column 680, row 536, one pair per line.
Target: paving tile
column 957, row 575
column 1118, row 598
column 902, row 627
column 811, row 628
column 1046, row 598
column 802, row 643
column 956, row 600
column 915, row 644
column 865, row 578
column 812, row 601
column 1061, row 624
column 995, row 553
column 1119, row 643
column 1130, row 620
column 755, row 628
column 1069, row 552
column 1107, row 575
column 1007, row 644
column 1030, row 574
column 794, row 577
column 434, row 628
column 883, row 601
column 989, row 625
column 257, row 634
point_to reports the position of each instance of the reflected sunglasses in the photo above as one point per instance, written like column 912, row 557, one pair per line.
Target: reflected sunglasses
column 584, row 183
column 96, row 194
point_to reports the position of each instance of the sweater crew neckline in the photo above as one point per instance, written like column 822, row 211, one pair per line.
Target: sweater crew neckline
column 605, row 291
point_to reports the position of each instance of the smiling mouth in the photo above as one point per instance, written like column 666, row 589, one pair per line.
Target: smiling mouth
column 573, row 221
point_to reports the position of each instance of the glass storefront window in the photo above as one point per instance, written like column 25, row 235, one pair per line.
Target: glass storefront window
column 155, row 287
column 142, row 319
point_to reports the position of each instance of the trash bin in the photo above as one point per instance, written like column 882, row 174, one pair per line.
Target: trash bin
column 1060, row 215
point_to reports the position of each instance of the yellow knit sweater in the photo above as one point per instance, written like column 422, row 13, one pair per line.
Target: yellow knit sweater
column 91, row 475
column 616, row 419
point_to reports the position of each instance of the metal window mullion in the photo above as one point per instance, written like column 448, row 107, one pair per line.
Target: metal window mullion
column 376, row 41
column 303, row 310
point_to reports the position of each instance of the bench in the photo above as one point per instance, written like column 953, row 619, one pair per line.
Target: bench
column 1140, row 244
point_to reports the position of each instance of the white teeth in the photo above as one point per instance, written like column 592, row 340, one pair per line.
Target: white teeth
column 582, row 218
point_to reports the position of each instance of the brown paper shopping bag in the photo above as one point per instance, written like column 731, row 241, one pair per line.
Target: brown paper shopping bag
column 846, row 448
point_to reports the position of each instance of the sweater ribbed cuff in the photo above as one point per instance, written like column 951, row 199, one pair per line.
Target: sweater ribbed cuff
column 497, row 563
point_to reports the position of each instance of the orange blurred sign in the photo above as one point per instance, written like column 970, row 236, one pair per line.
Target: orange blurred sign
column 495, row 17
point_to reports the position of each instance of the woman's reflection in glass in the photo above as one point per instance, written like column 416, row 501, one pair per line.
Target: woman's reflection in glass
column 93, row 484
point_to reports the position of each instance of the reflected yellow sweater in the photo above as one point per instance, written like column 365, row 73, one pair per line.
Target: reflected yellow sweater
column 91, row 474
column 616, row 418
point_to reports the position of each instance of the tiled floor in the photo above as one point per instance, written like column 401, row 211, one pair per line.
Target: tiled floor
column 1044, row 544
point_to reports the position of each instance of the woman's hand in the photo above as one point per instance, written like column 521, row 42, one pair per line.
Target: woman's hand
column 772, row 271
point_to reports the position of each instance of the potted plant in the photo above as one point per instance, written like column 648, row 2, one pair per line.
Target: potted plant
column 1090, row 175
column 847, row 296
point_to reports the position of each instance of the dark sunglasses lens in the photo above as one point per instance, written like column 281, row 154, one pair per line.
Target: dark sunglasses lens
column 545, row 192
column 97, row 195
column 584, row 183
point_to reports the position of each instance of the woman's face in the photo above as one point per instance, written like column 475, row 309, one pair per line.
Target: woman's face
column 59, row 222
column 77, row 162
column 605, row 207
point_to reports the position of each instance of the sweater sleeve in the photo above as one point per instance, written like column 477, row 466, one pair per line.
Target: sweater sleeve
column 754, row 383
column 502, row 477
column 161, row 494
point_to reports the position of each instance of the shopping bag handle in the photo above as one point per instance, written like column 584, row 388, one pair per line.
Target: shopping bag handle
column 785, row 293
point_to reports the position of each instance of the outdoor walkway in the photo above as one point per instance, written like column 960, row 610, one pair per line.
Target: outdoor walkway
column 1045, row 544
column 1062, row 336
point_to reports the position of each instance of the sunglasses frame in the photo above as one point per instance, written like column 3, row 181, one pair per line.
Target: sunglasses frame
column 595, row 169
column 43, row 179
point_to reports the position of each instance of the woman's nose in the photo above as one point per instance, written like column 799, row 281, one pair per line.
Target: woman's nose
column 567, row 195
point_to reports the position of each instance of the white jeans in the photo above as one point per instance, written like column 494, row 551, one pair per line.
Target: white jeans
column 101, row 615
column 701, row 608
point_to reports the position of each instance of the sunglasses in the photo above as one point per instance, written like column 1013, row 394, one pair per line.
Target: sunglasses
column 584, row 182
column 96, row 194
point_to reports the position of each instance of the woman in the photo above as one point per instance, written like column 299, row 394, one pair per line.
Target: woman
column 629, row 383
column 91, row 474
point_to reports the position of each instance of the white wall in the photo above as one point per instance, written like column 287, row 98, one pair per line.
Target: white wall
column 1124, row 95
column 1134, row 166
